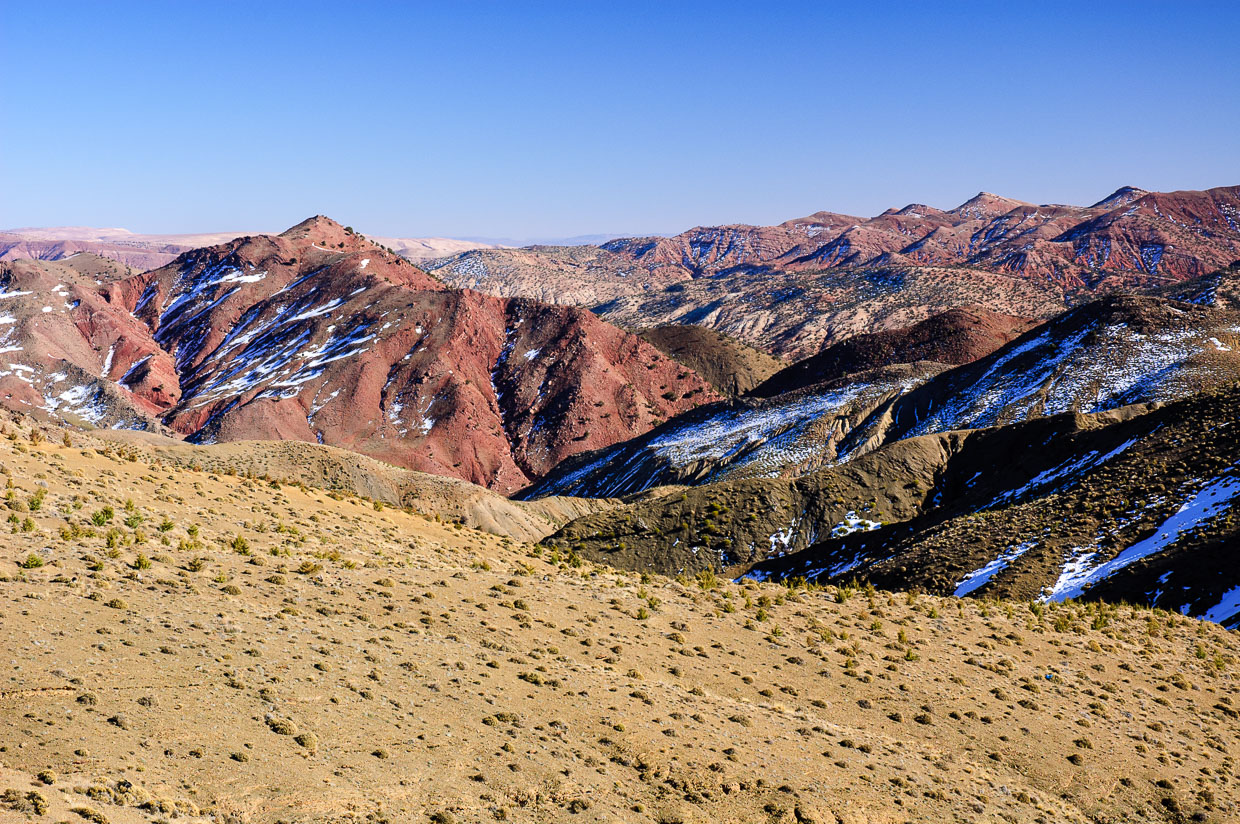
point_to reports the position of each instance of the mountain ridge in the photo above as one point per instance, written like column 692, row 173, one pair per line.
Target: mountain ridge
column 320, row 334
column 839, row 275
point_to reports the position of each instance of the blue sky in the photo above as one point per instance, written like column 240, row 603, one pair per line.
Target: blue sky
column 529, row 120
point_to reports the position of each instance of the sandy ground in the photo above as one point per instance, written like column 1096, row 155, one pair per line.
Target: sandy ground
column 185, row 645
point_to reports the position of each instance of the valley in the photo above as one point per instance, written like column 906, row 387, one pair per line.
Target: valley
column 754, row 523
column 605, row 413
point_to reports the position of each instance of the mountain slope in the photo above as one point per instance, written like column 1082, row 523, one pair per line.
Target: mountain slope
column 731, row 367
column 1143, row 511
column 574, row 275
column 243, row 653
column 793, row 288
column 796, row 315
column 320, row 335
column 954, row 337
column 433, row 496
column 1172, row 235
column 1103, row 355
column 67, row 349
column 1138, row 504
column 789, row 435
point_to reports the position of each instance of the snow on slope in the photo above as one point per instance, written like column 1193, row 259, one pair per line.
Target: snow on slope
column 980, row 577
column 1227, row 610
column 1099, row 357
column 1087, row 370
column 728, row 441
column 1084, row 567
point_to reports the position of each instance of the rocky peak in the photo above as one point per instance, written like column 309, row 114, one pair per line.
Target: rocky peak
column 321, row 230
column 1120, row 197
column 986, row 205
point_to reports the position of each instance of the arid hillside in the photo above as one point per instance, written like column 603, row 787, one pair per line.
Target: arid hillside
column 338, row 470
column 198, row 646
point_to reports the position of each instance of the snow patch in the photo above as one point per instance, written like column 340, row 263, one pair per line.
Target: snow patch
column 107, row 361
column 853, row 523
column 1227, row 610
column 980, row 577
column 1085, row 569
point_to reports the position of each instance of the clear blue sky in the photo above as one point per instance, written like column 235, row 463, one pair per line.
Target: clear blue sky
column 547, row 119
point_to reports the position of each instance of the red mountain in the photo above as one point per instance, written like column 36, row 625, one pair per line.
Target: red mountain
column 66, row 349
column 790, row 289
column 1145, row 235
column 320, row 335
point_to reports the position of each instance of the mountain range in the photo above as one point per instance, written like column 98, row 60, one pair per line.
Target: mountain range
column 824, row 381
column 792, row 288
column 147, row 251
column 320, row 335
column 923, row 517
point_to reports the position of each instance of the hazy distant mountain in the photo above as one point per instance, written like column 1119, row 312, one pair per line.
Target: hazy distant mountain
column 572, row 240
column 142, row 252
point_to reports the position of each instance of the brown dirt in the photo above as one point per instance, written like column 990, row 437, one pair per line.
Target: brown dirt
column 347, row 664
column 731, row 367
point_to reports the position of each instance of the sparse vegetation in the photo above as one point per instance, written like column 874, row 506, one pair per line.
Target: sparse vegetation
column 402, row 646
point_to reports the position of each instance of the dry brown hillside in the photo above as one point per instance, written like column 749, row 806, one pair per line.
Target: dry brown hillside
column 189, row 646
column 332, row 469
column 731, row 367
